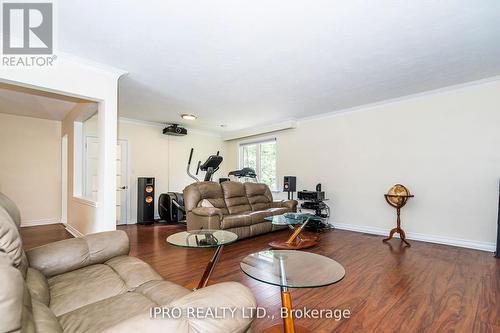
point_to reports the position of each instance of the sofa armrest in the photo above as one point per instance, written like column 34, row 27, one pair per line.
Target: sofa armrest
column 290, row 204
column 70, row 254
column 207, row 211
column 222, row 297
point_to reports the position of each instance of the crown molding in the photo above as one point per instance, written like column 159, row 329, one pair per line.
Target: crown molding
column 116, row 72
column 258, row 130
column 375, row 105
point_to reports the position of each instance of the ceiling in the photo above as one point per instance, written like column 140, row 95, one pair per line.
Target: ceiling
column 28, row 102
column 246, row 63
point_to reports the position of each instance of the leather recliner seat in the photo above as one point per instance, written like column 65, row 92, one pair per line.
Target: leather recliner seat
column 90, row 284
column 233, row 206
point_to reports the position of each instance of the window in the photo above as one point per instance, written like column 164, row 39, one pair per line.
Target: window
column 260, row 156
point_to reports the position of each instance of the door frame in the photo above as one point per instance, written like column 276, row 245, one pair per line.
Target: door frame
column 64, row 179
column 125, row 165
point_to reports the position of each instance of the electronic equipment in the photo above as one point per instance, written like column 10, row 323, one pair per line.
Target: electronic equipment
column 145, row 200
column 289, row 185
column 311, row 195
column 171, row 207
column 174, row 129
column 314, row 200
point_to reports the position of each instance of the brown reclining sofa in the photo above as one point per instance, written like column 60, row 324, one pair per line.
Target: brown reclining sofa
column 90, row 284
column 233, row 206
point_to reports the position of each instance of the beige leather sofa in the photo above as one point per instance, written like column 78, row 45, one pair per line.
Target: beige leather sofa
column 90, row 284
column 233, row 206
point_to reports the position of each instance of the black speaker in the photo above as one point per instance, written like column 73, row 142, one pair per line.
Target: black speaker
column 497, row 253
column 290, row 184
column 145, row 200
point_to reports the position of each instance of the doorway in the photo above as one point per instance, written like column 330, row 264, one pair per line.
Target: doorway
column 91, row 179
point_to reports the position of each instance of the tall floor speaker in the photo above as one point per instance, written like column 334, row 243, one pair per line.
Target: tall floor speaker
column 146, row 200
column 497, row 253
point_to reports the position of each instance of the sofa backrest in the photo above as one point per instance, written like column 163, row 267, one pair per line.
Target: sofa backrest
column 259, row 196
column 210, row 191
column 10, row 239
column 235, row 197
column 15, row 301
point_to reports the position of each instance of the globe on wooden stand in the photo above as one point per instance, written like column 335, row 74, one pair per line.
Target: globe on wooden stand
column 397, row 197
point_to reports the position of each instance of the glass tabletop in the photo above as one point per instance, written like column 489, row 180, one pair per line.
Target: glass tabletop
column 292, row 269
column 292, row 218
column 202, row 238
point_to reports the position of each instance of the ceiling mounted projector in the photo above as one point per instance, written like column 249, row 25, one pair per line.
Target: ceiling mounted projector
column 174, row 129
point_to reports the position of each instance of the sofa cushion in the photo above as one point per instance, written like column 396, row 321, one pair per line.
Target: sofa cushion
column 162, row 292
column 106, row 313
column 235, row 197
column 259, row 196
column 70, row 291
column 133, row 271
column 234, row 221
column 258, row 217
column 210, row 191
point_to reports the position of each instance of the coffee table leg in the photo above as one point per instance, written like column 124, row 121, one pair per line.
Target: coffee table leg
column 297, row 231
column 210, row 268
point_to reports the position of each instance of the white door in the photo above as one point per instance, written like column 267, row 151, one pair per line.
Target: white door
column 91, row 178
column 122, row 182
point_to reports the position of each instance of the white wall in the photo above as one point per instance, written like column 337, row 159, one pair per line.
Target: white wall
column 30, row 167
column 76, row 77
column 152, row 154
column 445, row 147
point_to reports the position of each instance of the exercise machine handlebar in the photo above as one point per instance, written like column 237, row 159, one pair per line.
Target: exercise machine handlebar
column 189, row 166
column 198, row 168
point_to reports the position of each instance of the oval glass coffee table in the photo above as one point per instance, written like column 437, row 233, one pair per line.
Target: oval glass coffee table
column 296, row 222
column 291, row 269
column 204, row 239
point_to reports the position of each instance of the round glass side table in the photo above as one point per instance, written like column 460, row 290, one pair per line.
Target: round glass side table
column 291, row 269
column 204, row 239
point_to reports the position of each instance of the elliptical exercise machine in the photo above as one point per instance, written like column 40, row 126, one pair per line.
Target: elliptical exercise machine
column 210, row 166
column 171, row 204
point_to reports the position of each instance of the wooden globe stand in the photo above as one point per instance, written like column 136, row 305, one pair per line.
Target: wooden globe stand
column 403, row 201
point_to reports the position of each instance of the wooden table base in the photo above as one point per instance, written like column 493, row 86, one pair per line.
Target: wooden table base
column 296, row 245
column 288, row 325
column 280, row 328
column 398, row 229
column 295, row 241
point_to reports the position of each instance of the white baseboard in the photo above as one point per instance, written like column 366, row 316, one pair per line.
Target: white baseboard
column 483, row 246
column 72, row 230
column 32, row 223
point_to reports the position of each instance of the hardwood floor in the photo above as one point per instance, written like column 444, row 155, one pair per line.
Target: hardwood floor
column 387, row 288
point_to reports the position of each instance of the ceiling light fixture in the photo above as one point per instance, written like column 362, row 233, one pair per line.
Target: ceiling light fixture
column 188, row 116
